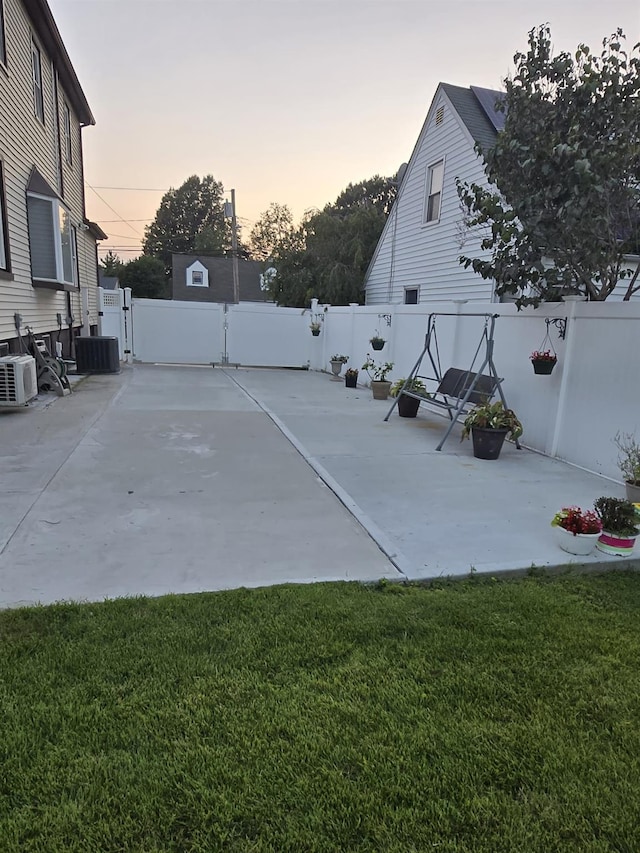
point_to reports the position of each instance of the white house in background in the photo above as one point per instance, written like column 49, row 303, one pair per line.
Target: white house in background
column 47, row 245
column 416, row 259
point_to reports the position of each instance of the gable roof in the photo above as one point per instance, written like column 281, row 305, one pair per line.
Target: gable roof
column 220, row 279
column 476, row 108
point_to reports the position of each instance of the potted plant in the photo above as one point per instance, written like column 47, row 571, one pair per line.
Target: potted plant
column 336, row 364
column 576, row 530
column 408, row 406
column 377, row 373
column 619, row 526
column 543, row 361
column 489, row 425
column 351, row 378
column 315, row 329
column 376, row 341
column 629, row 464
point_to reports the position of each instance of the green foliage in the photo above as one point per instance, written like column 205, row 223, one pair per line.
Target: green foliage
column 469, row 717
column 618, row 516
column 274, row 234
column 189, row 219
column 377, row 372
column 492, row 416
column 146, row 277
column 328, row 255
column 111, row 264
column 563, row 206
column 628, row 457
column 415, row 385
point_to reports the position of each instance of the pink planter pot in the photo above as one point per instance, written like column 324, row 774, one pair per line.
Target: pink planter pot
column 617, row 546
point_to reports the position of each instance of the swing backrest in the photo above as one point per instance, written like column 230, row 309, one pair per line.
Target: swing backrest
column 456, row 382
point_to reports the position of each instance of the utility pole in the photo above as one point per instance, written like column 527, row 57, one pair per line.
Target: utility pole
column 234, row 248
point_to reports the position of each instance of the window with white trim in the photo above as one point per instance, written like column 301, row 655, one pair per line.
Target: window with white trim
column 67, row 134
column 5, row 266
column 3, row 44
column 38, row 94
column 197, row 275
column 52, row 243
column 411, row 295
column 435, row 174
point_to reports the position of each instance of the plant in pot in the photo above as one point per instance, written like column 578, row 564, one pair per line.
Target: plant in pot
column 315, row 329
column 351, row 378
column 408, row 406
column 576, row 530
column 543, row 361
column 489, row 425
column 629, row 464
column 336, row 364
column 377, row 373
column 376, row 341
column 619, row 526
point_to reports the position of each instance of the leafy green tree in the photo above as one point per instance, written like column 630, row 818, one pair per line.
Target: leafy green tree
column 562, row 208
column 189, row 219
column 273, row 233
column 146, row 277
column 111, row 264
column 328, row 255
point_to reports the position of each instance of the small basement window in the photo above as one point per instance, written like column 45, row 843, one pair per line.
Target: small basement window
column 411, row 295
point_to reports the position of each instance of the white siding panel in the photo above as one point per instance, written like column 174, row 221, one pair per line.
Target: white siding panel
column 426, row 255
column 25, row 142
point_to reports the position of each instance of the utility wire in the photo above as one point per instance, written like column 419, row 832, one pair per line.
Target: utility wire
column 122, row 219
column 133, row 189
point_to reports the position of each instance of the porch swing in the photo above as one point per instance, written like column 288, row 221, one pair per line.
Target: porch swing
column 457, row 390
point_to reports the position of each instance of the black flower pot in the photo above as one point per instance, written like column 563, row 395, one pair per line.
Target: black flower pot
column 315, row 332
column 543, row 367
column 408, row 406
column 377, row 345
column 351, row 381
column 487, row 443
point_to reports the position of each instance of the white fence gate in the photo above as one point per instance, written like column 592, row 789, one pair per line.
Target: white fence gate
column 114, row 318
column 252, row 334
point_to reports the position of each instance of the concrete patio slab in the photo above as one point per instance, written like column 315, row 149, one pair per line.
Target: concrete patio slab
column 445, row 513
column 164, row 480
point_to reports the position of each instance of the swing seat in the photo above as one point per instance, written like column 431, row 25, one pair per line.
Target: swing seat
column 453, row 387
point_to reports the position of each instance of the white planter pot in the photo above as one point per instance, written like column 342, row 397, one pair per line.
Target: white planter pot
column 581, row 544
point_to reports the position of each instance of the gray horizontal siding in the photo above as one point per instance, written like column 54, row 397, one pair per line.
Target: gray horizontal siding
column 25, row 142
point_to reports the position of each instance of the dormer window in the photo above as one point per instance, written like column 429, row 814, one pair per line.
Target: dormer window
column 197, row 275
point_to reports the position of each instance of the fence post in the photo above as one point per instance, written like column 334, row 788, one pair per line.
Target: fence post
column 564, row 382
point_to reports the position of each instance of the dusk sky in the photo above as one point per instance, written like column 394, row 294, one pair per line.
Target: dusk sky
column 284, row 100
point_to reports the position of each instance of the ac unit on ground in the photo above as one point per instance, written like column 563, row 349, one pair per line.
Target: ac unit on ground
column 18, row 380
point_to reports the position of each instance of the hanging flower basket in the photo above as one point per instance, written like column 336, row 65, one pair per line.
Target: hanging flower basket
column 543, row 362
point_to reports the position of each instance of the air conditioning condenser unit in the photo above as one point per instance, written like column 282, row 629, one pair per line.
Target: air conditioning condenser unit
column 18, row 380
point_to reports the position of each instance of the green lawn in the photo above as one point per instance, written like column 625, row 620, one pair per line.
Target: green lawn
column 476, row 716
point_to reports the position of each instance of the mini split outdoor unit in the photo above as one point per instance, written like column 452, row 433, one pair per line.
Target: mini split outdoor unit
column 18, row 380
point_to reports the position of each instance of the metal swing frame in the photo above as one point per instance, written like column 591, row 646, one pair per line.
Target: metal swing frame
column 463, row 386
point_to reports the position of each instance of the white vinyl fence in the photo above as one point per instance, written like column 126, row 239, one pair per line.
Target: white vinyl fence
column 574, row 413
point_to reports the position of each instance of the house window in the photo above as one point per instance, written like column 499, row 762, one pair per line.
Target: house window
column 67, row 134
column 5, row 266
column 434, row 192
column 52, row 242
column 411, row 296
column 3, row 46
column 197, row 275
column 38, row 96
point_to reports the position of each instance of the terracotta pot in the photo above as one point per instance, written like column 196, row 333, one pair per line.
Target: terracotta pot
column 380, row 390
